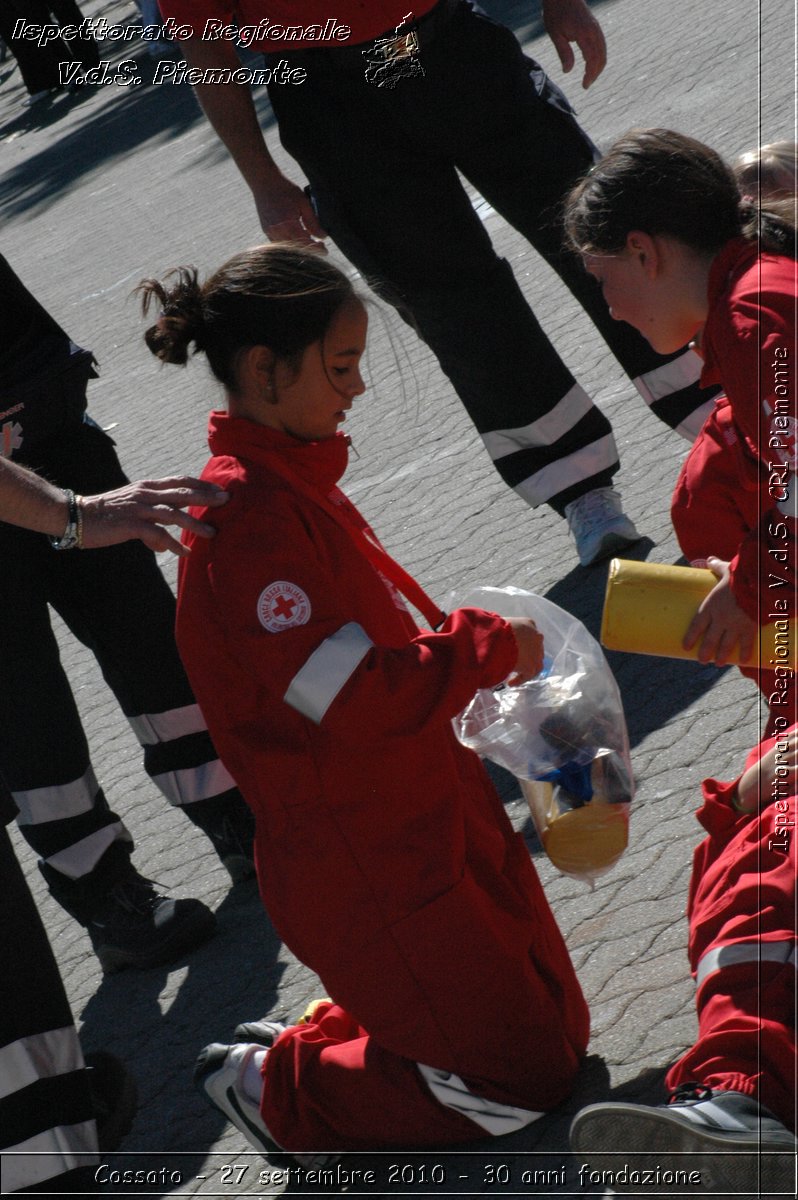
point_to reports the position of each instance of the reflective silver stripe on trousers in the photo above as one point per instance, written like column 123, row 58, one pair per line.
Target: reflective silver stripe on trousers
column 672, row 377
column 39, row 1056
column 53, row 1151
column 318, row 682
column 557, row 476
column 48, row 1154
column 81, row 857
column 549, row 428
column 152, row 728
column 741, row 952
column 194, row 783
column 39, row 805
column 495, row 1118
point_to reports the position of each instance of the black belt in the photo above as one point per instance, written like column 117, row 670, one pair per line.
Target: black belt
column 403, row 42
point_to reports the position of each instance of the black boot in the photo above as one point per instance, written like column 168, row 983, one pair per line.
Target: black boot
column 129, row 923
column 230, row 825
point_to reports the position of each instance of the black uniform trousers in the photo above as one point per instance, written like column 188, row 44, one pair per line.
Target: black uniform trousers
column 383, row 163
column 117, row 603
column 46, row 1109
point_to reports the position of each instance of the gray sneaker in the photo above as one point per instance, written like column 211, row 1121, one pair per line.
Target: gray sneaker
column 726, row 1140
column 599, row 526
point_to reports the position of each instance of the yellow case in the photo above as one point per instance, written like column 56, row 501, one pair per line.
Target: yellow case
column 649, row 606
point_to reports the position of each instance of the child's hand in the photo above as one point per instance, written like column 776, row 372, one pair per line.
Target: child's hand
column 755, row 789
column 530, row 650
column 720, row 622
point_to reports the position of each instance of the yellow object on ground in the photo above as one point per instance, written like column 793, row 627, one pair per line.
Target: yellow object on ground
column 311, row 1010
column 649, row 606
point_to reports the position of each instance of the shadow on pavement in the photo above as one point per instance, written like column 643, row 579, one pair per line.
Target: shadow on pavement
column 134, row 114
column 234, row 977
column 101, row 133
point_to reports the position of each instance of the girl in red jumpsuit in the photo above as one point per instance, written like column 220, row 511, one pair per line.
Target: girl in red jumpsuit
column 681, row 256
column 732, row 1114
column 661, row 223
column 385, row 858
column 723, row 489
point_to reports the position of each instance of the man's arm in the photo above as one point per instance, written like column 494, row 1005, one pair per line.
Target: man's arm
column 569, row 21
column 137, row 510
column 284, row 211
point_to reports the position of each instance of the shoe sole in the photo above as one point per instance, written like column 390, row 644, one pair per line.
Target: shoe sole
column 189, row 935
column 669, row 1142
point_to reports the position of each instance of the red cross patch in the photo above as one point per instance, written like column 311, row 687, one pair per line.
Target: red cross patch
column 283, row 605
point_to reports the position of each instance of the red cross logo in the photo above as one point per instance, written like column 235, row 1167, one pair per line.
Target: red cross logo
column 283, row 605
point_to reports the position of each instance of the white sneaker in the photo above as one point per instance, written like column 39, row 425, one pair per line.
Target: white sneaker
column 599, row 525
column 219, row 1073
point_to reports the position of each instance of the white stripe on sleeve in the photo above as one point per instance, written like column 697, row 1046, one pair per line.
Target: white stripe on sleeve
column 740, row 952
column 318, row 682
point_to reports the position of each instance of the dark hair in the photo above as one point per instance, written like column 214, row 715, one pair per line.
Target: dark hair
column 274, row 295
column 663, row 182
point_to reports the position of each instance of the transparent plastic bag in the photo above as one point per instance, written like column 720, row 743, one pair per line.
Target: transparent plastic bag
column 562, row 734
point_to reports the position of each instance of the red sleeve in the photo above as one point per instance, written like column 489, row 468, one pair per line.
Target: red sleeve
column 323, row 661
column 754, row 351
column 764, row 572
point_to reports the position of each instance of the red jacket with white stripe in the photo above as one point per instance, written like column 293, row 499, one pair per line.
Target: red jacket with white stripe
column 386, row 860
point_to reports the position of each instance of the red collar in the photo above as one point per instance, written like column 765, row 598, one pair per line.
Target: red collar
column 320, row 463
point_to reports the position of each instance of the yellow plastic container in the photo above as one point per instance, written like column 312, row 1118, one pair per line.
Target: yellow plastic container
column 648, row 608
column 584, row 842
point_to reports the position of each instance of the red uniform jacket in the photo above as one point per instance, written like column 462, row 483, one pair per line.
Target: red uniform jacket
column 386, row 860
column 749, row 349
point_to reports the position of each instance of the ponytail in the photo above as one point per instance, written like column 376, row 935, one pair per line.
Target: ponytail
column 277, row 295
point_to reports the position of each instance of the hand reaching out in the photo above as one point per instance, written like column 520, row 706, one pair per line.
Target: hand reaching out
column 530, row 650
column 720, row 623
column 140, row 510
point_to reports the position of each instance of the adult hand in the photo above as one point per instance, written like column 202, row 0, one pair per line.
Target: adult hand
column 286, row 214
column 720, row 622
column 530, row 650
column 755, row 789
column 140, row 510
column 567, row 21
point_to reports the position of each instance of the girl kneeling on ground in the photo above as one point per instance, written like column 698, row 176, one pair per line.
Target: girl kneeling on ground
column 385, row 858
